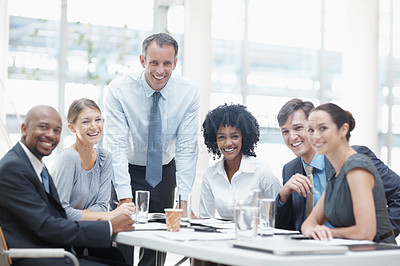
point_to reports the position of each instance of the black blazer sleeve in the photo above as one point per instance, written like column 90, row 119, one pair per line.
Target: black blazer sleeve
column 33, row 218
column 290, row 215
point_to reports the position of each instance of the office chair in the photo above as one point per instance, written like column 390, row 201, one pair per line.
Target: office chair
column 7, row 254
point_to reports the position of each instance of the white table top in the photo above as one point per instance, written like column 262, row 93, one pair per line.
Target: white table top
column 221, row 251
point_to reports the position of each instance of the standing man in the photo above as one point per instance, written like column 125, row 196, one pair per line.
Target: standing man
column 31, row 214
column 151, row 128
column 297, row 187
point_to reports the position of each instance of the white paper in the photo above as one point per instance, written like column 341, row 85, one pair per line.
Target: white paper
column 278, row 231
column 215, row 223
column 150, row 226
column 210, row 221
column 156, row 215
column 188, row 235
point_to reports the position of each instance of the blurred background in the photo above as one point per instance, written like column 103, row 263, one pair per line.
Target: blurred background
column 259, row 53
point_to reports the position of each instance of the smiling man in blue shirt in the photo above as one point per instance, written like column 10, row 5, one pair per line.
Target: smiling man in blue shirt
column 130, row 107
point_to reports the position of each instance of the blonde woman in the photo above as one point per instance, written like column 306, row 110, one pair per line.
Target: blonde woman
column 83, row 172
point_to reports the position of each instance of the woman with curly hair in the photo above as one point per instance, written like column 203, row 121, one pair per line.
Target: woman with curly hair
column 232, row 131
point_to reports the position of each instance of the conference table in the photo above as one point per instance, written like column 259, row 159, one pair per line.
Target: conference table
column 217, row 247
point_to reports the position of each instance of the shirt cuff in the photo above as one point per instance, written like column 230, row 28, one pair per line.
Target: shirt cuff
column 124, row 193
column 280, row 204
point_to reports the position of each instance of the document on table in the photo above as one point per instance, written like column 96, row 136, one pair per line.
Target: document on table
column 278, row 231
column 215, row 223
column 156, row 216
column 150, row 226
column 210, row 221
column 189, row 235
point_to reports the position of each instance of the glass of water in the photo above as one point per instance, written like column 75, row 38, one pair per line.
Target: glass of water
column 246, row 213
column 246, row 222
column 267, row 216
column 185, row 203
column 142, row 200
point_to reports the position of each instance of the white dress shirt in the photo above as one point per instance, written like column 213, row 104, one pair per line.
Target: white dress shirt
column 36, row 163
column 127, row 108
column 217, row 192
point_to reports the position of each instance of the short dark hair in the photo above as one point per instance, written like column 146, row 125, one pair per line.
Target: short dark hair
column 339, row 116
column 161, row 39
column 77, row 106
column 292, row 106
column 234, row 115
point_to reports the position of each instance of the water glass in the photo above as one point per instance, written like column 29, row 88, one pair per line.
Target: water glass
column 267, row 216
column 246, row 197
column 246, row 209
column 246, row 222
column 142, row 201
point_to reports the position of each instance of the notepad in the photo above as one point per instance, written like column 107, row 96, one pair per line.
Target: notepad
column 288, row 247
column 156, row 216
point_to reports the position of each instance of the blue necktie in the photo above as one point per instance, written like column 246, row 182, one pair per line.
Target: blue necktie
column 45, row 179
column 154, row 146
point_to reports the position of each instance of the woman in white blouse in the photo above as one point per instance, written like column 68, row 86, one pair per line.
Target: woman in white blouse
column 232, row 131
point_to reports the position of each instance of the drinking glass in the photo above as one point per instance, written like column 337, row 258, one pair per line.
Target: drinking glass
column 142, row 200
column 185, row 203
column 267, row 216
column 246, row 213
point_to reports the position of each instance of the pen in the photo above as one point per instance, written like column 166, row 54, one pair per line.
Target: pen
column 179, row 201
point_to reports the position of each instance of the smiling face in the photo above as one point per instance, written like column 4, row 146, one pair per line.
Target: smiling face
column 159, row 63
column 41, row 131
column 324, row 135
column 294, row 133
column 88, row 126
column 229, row 141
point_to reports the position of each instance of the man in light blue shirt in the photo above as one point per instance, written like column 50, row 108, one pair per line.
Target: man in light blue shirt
column 318, row 162
column 128, row 106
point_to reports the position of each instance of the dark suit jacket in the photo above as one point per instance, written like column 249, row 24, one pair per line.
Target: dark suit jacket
column 292, row 214
column 32, row 218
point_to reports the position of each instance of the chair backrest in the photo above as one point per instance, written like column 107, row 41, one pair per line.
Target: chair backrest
column 4, row 258
column 6, row 254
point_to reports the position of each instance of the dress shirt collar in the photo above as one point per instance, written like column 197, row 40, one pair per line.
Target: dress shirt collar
column 318, row 162
column 149, row 91
column 245, row 166
column 37, row 165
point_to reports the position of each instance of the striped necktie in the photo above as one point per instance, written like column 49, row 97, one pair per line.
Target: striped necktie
column 310, row 196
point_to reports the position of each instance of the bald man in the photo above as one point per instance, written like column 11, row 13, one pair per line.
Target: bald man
column 31, row 214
